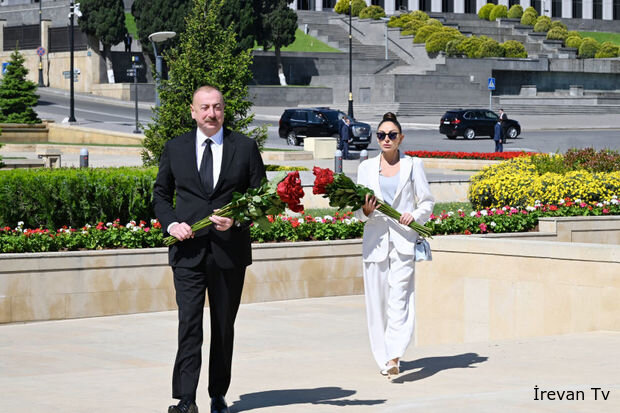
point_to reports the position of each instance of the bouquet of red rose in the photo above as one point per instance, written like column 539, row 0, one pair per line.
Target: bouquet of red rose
column 270, row 198
column 342, row 192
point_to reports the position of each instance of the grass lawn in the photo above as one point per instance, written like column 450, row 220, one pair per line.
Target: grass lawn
column 603, row 36
column 130, row 23
column 306, row 43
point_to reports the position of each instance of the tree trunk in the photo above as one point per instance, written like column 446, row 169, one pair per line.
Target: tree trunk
column 279, row 66
column 107, row 53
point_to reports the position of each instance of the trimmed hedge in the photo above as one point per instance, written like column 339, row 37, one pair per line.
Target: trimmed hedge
column 588, row 48
column 573, row 41
column 515, row 12
column 557, row 33
column 529, row 18
column 490, row 48
column 485, row 11
column 607, row 49
column 51, row 198
column 372, row 12
column 513, row 48
column 498, row 12
column 543, row 24
column 425, row 32
column 411, row 27
column 438, row 40
column 342, row 7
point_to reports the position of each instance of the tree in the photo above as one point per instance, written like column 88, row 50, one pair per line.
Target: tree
column 245, row 16
column 104, row 20
column 17, row 94
column 159, row 16
column 205, row 55
column 279, row 26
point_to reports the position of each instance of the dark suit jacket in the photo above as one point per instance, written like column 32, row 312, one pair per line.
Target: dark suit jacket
column 242, row 168
column 345, row 132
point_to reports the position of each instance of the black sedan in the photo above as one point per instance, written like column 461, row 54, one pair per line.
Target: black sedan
column 470, row 123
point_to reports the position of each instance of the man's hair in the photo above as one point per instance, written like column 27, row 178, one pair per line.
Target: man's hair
column 208, row 88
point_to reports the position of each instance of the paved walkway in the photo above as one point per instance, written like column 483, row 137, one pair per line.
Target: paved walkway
column 298, row 356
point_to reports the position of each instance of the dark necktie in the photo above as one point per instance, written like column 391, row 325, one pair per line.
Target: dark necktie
column 206, row 167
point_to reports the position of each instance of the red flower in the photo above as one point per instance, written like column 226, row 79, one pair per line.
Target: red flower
column 291, row 192
column 294, row 222
column 467, row 232
column 323, row 178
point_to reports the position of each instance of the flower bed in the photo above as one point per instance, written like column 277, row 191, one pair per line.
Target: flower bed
column 498, row 156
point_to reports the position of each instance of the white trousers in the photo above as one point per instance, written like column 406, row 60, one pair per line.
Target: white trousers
column 389, row 290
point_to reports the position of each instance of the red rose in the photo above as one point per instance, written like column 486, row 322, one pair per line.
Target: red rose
column 291, row 192
column 323, row 178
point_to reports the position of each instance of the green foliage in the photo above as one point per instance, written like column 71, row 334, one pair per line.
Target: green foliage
column 485, row 11
column 425, row 32
column 433, row 22
column 372, row 12
column 490, row 48
column 438, row 41
column 588, row 48
column 130, row 24
column 1, row 164
column 558, row 24
column 277, row 168
column 247, row 20
column 205, row 55
column 573, row 41
column 607, row 49
column 470, row 45
column 357, row 6
column 419, row 15
column 56, row 197
column 17, row 94
column 103, row 19
column 153, row 16
column 529, row 17
column 279, row 26
column 411, row 27
column 543, row 24
column 602, row 37
column 557, row 33
column 498, row 12
column 342, row 7
column 515, row 12
column 513, row 48
column 453, row 46
column 572, row 33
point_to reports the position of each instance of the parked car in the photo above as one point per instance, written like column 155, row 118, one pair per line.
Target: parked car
column 470, row 123
column 296, row 124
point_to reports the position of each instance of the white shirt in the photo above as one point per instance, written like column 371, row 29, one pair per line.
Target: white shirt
column 216, row 149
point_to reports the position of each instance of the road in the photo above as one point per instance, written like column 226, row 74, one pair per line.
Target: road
column 107, row 114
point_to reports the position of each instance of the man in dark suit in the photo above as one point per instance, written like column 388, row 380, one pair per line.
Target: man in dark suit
column 502, row 117
column 345, row 136
column 204, row 167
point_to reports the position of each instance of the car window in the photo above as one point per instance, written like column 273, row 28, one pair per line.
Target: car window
column 316, row 117
column 469, row 115
column 491, row 115
column 299, row 116
column 332, row 116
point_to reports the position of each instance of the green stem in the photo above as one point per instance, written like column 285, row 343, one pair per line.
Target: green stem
column 392, row 213
column 226, row 211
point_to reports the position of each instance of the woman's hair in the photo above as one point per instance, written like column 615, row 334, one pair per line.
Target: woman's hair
column 390, row 117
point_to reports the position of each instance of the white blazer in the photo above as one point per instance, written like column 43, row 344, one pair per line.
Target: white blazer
column 413, row 195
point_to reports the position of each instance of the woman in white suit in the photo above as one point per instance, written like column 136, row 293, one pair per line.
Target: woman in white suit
column 389, row 246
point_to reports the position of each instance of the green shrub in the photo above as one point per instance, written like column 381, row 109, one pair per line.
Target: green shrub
column 433, row 22
column 573, row 41
column 543, row 24
column 558, row 24
column 55, row 197
column 270, row 167
column 357, row 6
column 607, row 49
column 342, row 7
column 470, row 45
column 397, row 21
column 372, row 12
column 515, row 12
column 490, row 48
column 419, row 15
column 588, row 48
column 573, row 33
column 453, row 46
column 437, row 41
column 529, row 18
column 531, row 10
column 485, row 11
column 425, row 32
column 557, row 33
column 411, row 27
column 498, row 12
column 513, row 48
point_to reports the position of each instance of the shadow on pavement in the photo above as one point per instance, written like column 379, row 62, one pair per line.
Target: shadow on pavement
column 321, row 395
column 432, row 365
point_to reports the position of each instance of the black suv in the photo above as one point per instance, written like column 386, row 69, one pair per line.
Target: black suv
column 469, row 123
column 296, row 124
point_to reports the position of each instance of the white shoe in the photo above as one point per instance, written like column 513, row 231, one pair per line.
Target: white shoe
column 390, row 370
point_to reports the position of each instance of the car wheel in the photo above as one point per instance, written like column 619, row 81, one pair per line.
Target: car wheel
column 512, row 132
column 361, row 147
column 291, row 138
column 469, row 133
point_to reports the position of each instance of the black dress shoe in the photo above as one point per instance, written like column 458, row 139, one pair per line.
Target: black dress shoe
column 184, row 406
column 218, row 405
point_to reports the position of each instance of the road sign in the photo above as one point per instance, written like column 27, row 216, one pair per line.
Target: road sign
column 41, row 51
column 491, row 84
column 131, row 72
column 138, row 66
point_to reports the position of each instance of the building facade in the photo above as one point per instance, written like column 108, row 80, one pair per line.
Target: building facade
column 581, row 9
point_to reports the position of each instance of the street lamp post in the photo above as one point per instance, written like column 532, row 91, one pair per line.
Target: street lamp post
column 159, row 37
column 350, row 111
column 386, row 20
column 41, row 83
column 71, row 73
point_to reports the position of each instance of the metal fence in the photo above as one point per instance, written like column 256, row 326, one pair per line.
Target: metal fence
column 22, row 37
column 59, row 40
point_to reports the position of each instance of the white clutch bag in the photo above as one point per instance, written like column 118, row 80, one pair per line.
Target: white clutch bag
column 423, row 250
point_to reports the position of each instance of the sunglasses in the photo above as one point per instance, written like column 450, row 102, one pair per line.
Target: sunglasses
column 392, row 135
